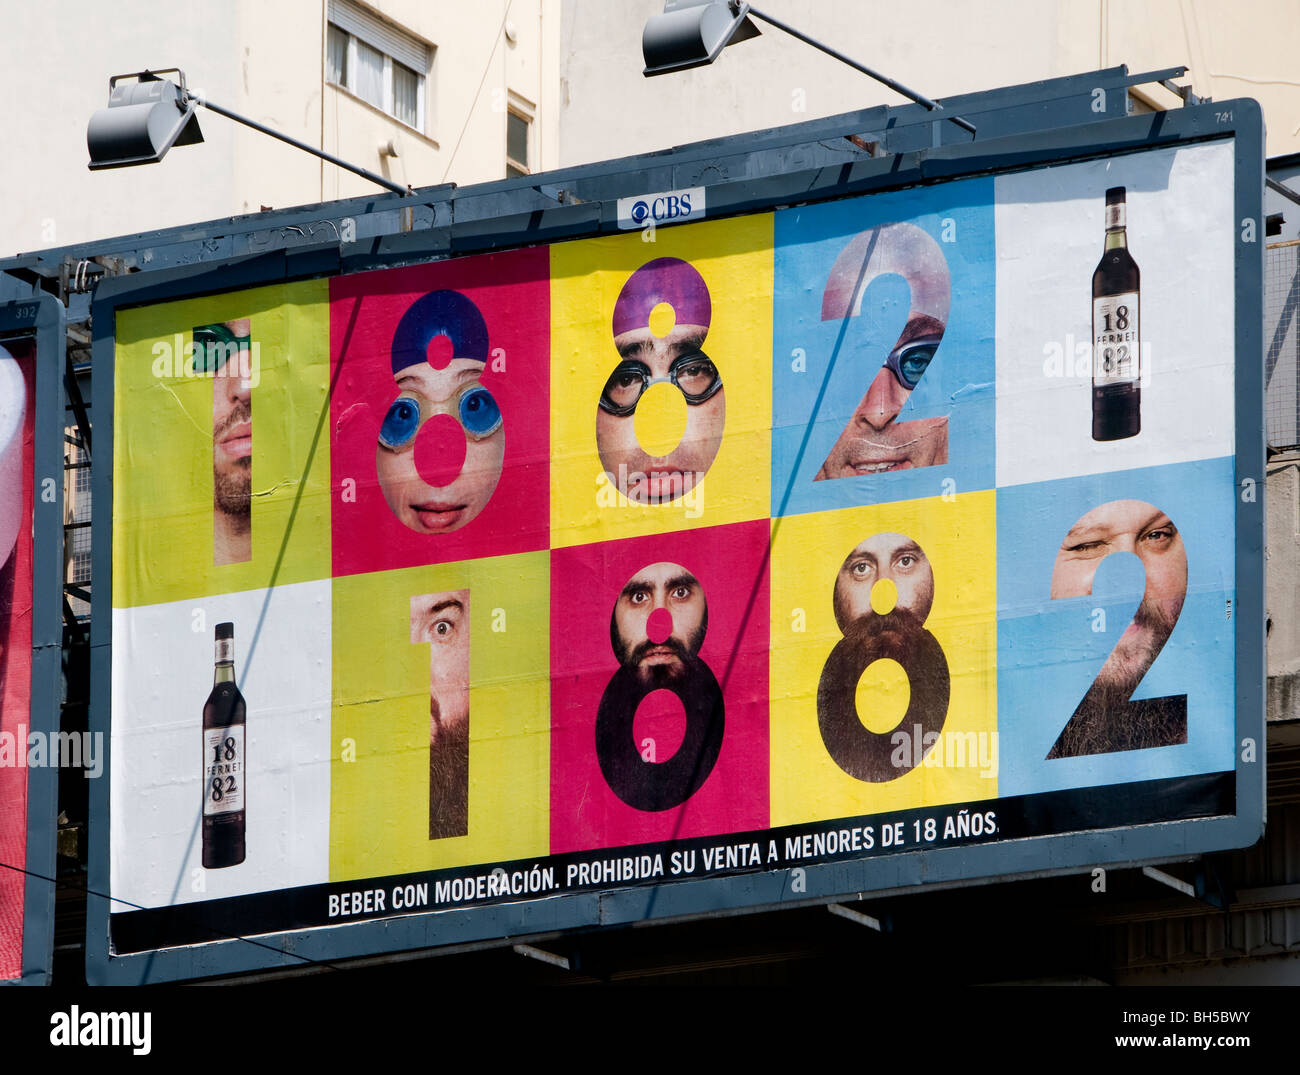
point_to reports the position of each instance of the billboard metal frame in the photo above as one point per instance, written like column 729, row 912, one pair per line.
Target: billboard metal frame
column 41, row 319
column 785, row 183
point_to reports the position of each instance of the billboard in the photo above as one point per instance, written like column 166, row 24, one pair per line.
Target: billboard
column 31, row 471
column 757, row 560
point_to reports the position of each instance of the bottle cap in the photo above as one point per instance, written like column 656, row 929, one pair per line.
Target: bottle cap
column 1115, row 195
column 225, row 630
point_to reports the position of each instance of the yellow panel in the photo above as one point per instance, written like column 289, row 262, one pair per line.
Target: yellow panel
column 957, row 535
column 379, row 809
column 163, row 499
column 735, row 259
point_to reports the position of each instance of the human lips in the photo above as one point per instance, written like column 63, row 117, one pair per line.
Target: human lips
column 870, row 465
column 660, row 654
column 237, row 441
column 658, row 484
column 437, row 515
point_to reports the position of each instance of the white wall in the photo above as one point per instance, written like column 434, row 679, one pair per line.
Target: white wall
column 266, row 61
column 936, row 47
column 55, row 62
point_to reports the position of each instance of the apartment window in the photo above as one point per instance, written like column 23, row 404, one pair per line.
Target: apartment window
column 519, row 135
column 377, row 62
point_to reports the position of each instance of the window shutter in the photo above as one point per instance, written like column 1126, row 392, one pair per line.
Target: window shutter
column 359, row 22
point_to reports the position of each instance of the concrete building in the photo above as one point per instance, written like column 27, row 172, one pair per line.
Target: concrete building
column 421, row 93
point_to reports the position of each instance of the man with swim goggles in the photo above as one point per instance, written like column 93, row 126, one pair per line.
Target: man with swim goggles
column 693, row 373
column 215, row 345
column 224, row 351
column 875, row 441
column 669, row 353
column 408, row 475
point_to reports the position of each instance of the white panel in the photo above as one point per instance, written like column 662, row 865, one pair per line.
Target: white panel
column 1050, row 231
column 162, row 673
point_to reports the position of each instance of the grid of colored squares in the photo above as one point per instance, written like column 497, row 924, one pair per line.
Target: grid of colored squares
column 779, row 519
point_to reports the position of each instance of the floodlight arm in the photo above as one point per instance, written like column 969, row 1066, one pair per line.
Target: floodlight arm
column 897, row 87
column 396, row 188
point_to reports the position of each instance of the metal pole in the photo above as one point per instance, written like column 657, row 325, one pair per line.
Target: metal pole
column 388, row 183
column 897, row 87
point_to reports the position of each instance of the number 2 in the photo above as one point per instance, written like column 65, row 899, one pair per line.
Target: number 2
column 1106, row 719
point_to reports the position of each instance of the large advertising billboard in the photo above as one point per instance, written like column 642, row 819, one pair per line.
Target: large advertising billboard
column 29, row 656
column 836, row 548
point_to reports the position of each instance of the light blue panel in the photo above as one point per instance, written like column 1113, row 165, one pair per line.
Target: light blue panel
column 810, row 410
column 1049, row 652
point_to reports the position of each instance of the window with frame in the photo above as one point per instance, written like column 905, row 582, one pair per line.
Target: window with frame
column 377, row 62
column 519, row 134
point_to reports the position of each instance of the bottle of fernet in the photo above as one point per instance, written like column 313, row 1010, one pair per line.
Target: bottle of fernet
column 1116, row 364
column 224, row 765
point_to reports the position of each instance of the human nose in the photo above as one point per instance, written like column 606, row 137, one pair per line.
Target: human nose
column 242, row 381
column 883, row 401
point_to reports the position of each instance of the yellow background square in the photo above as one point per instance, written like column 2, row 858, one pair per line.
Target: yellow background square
column 958, row 536
column 735, row 259
column 379, row 803
column 162, row 447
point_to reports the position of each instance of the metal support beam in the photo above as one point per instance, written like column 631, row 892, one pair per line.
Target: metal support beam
column 856, row 916
column 1169, row 879
column 77, row 403
column 396, row 188
column 542, row 956
column 1185, row 92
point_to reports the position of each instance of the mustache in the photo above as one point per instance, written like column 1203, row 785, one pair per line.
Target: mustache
column 672, row 643
column 242, row 412
column 899, row 620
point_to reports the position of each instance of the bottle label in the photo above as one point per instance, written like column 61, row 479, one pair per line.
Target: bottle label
column 223, row 768
column 1115, row 339
column 225, row 649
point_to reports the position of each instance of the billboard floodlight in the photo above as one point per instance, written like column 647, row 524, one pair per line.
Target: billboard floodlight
column 145, row 118
column 692, row 33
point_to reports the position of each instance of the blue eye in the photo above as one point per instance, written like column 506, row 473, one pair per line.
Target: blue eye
column 400, row 423
column 479, row 413
column 914, row 361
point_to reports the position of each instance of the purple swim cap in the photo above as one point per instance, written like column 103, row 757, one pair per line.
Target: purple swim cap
column 669, row 280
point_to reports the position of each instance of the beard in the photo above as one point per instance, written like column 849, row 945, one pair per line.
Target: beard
column 660, row 674
column 1132, row 657
column 233, row 493
column 232, row 488
column 448, row 776
column 1107, row 720
column 898, row 630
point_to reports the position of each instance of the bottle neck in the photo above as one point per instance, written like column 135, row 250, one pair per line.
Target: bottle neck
column 1116, row 239
column 224, row 671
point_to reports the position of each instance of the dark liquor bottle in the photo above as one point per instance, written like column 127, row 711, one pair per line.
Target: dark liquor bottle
column 1116, row 364
column 224, row 765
